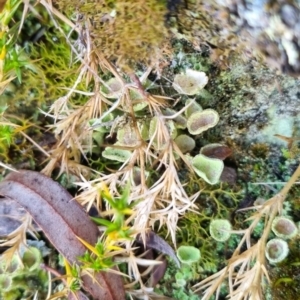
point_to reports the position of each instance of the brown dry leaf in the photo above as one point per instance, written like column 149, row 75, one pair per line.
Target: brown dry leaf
column 62, row 219
column 158, row 272
column 10, row 215
column 154, row 241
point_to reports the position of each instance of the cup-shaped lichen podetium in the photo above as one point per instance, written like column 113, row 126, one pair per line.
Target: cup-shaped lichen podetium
column 209, row 169
column 190, row 83
column 32, row 258
column 5, row 283
column 112, row 89
column 180, row 121
column 202, row 120
column 127, row 136
column 220, row 230
column 284, row 228
column 192, row 108
column 185, row 143
column 276, row 250
column 216, row 150
column 188, row 254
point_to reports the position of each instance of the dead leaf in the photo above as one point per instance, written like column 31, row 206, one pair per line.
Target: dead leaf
column 10, row 214
column 62, row 219
column 158, row 272
column 155, row 242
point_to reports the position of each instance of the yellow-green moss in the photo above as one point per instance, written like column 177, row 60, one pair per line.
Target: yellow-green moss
column 44, row 79
column 125, row 31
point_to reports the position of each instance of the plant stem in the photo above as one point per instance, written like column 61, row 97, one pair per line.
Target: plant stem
column 290, row 183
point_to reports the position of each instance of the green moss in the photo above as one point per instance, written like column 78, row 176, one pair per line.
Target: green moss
column 6, row 135
column 177, row 282
column 44, row 80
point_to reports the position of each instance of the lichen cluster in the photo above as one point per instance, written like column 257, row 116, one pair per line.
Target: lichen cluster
column 22, row 277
